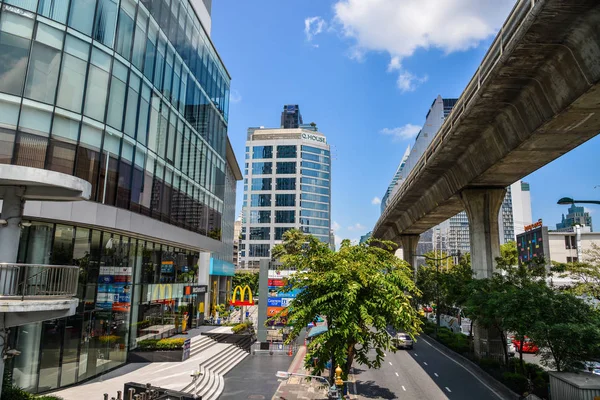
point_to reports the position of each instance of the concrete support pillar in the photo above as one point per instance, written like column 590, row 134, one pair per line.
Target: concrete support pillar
column 12, row 212
column 482, row 206
column 409, row 250
column 204, row 279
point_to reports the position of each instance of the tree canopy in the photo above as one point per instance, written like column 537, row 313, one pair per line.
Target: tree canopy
column 360, row 290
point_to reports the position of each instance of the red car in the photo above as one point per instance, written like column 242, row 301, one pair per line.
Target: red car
column 528, row 345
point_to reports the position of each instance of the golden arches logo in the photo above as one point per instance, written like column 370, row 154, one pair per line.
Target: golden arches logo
column 242, row 292
column 162, row 292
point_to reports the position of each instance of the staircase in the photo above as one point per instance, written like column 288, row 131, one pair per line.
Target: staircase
column 209, row 385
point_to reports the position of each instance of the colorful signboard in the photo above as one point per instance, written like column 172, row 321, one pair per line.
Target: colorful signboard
column 272, row 311
column 221, row 268
column 530, row 245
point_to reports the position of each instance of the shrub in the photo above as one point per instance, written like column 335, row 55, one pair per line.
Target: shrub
column 489, row 364
column 240, row 328
column 109, row 339
column 148, row 344
column 170, row 344
column 516, row 382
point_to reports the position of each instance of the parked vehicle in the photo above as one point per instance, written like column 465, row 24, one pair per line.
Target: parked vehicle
column 528, row 345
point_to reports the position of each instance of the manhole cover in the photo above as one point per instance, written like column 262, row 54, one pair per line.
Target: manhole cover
column 256, row 397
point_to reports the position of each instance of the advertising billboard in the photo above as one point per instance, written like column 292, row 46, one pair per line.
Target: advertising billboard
column 533, row 244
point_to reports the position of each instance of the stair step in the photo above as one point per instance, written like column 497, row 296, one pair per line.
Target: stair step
column 234, row 362
column 224, row 360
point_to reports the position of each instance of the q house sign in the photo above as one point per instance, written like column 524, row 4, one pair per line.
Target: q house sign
column 314, row 138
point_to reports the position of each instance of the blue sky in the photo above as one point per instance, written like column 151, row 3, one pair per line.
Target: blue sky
column 357, row 67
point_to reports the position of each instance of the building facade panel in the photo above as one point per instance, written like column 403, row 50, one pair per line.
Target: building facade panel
column 131, row 96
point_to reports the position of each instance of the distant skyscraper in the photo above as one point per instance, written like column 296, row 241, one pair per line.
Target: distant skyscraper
column 452, row 235
column 365, row 237
column 521, row 206
column 291, row 117
column 576, row 216
column 287, row 184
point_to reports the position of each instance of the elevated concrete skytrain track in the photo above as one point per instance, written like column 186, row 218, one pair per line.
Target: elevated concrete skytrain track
column 535, row 96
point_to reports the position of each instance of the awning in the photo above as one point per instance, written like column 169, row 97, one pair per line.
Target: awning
column 317, row 330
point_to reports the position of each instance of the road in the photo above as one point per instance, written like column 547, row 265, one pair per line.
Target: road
column 421, row 373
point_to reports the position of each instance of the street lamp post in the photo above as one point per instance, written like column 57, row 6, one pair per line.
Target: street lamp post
column 569, row 200
column 437, row 286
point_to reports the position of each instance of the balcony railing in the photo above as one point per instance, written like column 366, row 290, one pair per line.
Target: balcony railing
column 37, row 281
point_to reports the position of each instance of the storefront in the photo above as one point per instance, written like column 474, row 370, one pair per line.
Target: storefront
column 130, row 289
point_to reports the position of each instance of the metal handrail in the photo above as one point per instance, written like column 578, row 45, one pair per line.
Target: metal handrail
column 504, row 37
column 38, row 281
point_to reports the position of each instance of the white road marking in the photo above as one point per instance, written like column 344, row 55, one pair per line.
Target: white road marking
column 463, row 367
column 416, row 355
column 449, row 391
column 424, row 363
column 384, row 354
column 403, row 388
column 435, row 373
column 397, row 374
column 390, row 362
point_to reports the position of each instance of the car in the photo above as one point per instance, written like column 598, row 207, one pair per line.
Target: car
column 528, row 345
column 403, row 340
column 593, row 367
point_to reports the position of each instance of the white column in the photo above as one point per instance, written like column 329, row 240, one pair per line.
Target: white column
column 10, row 233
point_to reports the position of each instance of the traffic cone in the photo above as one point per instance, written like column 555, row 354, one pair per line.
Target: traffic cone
column 290, row 351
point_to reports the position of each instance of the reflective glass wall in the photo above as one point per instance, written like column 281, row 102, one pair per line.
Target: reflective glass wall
column 129, row 289
column 130, row 96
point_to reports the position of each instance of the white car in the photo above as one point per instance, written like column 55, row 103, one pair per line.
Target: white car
column 403, row 341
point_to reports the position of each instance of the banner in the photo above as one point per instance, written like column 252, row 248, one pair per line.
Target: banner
column 272, row 311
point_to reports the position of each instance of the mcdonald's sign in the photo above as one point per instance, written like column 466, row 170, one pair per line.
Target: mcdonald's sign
column 160, row 292
column 242, row 293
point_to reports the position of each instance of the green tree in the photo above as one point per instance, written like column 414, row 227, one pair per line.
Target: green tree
column 360, row 290
column 567, row 331
column 585, row 273
column 242, row 278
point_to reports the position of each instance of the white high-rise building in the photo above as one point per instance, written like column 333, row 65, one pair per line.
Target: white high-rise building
column 287, row 185
column 452, row 235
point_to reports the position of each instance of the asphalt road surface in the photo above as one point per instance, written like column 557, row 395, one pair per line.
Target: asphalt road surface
column 421, row 373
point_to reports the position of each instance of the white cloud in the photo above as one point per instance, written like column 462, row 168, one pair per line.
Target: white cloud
column 313, row 26
column 335, row 226
column 357, row 227
column 588, row 210
column 405, row 132
column 376, row 200
column 400, row 27
column 235, row 96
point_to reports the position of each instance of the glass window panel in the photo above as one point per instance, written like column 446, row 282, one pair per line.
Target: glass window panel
column 116, row 103
column 286, row 167
column 61, row 158
column 101, row 59
column 9, row 113
column 72, row 82
column 87, row 164
column 260, row 217
column 95, row 97
column 258, row 250
column 132, row 104
column 14, row 53
column 143, row 114
column 279, row 231
column 260, row 168
column 77, row 47
column 139, row 45
column 285, row 200
column 42, row 73
column 81, row 16
column 260, row 233
column 91, row 136
column 106, row 22
column 54, row 9
column 153, row 124
column 260, row 200
column 34, row 120
column 112, row 144
column 120, row 71
column 285, row 216
column 261, row 183
column 286, row 183
column 30, row 5
column 49, row 36
column 314, row 197
column 65, row 128
column 16, row 25
column 7, row 143
column 30, row 150
column 286, row 151
column 125, row 34
column 127, row 151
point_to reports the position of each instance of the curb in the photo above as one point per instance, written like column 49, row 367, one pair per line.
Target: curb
column 473, row 368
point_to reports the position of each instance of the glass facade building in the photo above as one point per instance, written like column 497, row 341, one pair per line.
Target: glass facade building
column 287, row 184
column 131, row 96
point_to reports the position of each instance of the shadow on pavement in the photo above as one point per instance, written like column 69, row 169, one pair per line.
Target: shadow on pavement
column 371, row 390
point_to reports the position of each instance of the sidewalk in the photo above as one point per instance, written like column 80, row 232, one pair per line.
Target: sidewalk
column 297, row 388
